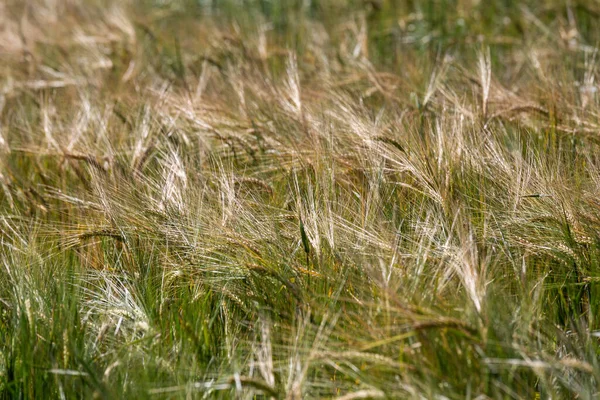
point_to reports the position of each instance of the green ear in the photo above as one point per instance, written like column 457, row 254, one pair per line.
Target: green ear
column 305, row 241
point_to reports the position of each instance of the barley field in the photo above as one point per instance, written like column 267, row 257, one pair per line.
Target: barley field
column 289, row 199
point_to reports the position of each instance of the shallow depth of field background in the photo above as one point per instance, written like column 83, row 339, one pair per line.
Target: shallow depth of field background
column 299, row 199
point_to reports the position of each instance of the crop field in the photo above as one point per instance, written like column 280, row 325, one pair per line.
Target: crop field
column 289, row 199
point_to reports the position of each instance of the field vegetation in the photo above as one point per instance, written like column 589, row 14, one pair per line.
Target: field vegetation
column 299, row 199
